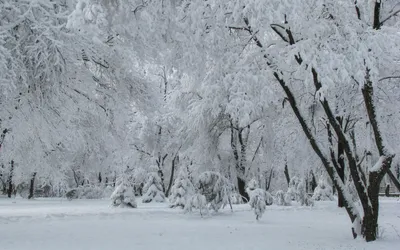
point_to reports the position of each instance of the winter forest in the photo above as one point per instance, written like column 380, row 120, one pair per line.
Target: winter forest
column 266, row 117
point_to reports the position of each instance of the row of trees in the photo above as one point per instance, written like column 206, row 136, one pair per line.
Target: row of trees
column 89, row 87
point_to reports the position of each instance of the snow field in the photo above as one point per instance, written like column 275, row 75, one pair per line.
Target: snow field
column 49, row 224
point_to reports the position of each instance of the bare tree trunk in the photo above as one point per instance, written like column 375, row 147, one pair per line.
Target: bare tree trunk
column 313, row 182
column 341, row 166
column 76, row 178
column 268, row 181
column 9, row 180
column 371, row 208
column 171, row 179
column 286, row 172
column 32, row 186
column 240, row 172
column 160, row 164
column 387, row 190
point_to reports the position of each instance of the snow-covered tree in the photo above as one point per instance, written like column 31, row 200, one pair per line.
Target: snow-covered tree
column 323, row 191
column 153, row 189
column 216, row 188
column 197, row 201
column 123, row 195
column 258, row 202
column 253, row 190
column 182, row 189
column 293, row 188
column 302, row 196
column 282, row 198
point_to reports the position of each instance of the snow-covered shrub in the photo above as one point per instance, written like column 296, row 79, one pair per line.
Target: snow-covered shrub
column 153, row 189
column 123, row 196
column 22, row 190
column 86, row 192
column 108, row 190
column 292, row 190
column 251, row 185
column 302, row 196
column 269, row 199
column 72, row 194
column 182, row 189
column 323, row 191
column 197, row 201
column 216, row 188
column 90, row 192
column 282, row 198
column 253, row 189
column 258, row 201
column 236, row 198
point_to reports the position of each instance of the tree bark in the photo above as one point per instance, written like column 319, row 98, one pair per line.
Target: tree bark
column 313, row 182
column 160, row 163
column 286, row 172
column 9, row 180
column 171, row 179
column 240, row 171
column 387, row 190
column 32, row 186
column 268, row 181
column 340, row 170
column 371, row 208
column 242, row 189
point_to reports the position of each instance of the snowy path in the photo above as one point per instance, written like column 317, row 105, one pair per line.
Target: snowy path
column 86, row 225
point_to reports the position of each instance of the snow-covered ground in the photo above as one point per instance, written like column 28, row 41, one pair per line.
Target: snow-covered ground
column 58, row 224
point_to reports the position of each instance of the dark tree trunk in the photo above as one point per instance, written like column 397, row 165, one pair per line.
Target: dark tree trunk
column 313, row 182
column 242, row 189
column 341, row 166
column 160, row 163
column 32, row 186
column 240, row 172
column 370, row 222
column 371, row 206
column 268, row 180
column 387, row 190
column 75, row 178
column 9, row 180
column 286, row 172
column 171, row 178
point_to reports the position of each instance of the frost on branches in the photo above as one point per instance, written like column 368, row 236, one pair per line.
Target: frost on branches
column 323, row 192
column 197, row 201
column 282, row 198
column 182, row 190
column 259, row 198
column 216, row 189
column 123, row 195
column 153, row 189
column 297, row 191
column 253, row 190
column 292, row 190
column 302, row 196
